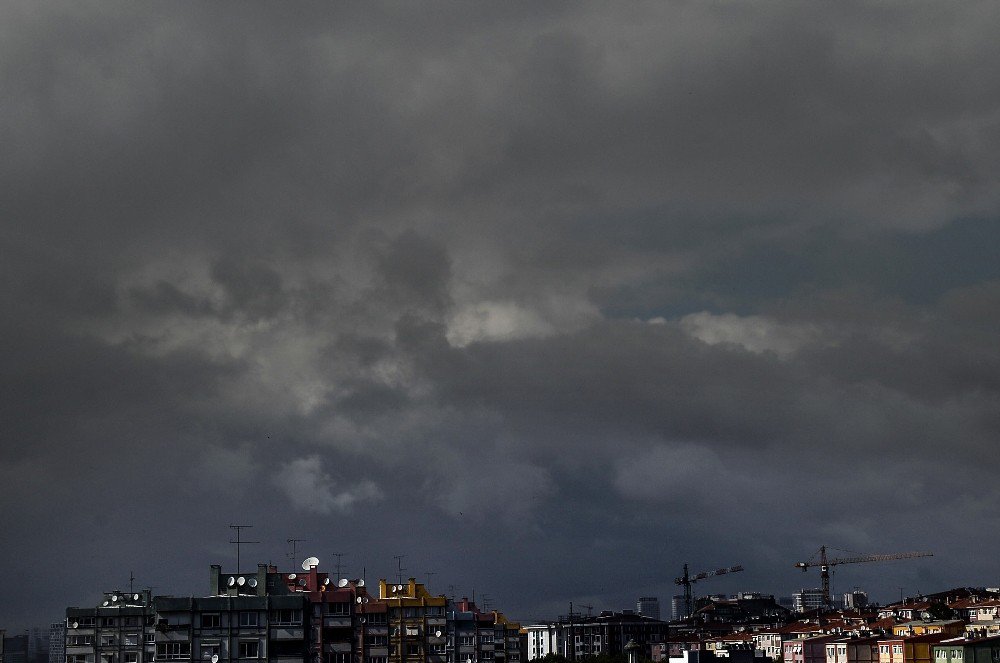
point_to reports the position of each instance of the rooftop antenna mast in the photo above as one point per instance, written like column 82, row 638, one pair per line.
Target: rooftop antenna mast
column 429, row 574
column 131, row 582
column 338, row 556
column 399, row 568
column 295, row 545
column 239, row 542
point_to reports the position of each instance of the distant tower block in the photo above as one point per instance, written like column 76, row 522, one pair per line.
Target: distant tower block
column 648, row 606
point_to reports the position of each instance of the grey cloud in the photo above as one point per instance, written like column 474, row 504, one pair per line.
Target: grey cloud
column 355, row 272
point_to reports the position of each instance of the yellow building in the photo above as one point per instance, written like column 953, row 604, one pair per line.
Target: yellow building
column 417, row 622
column 948, row 627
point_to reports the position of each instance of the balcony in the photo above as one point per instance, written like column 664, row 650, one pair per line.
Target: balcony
column 337, row 621
column 287, row 633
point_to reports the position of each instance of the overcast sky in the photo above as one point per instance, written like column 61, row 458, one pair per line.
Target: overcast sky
column 549, row 298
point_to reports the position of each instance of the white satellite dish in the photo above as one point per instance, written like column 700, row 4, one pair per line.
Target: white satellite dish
column 363, row 620
column 231, row 581
column 302, row 582
column 342, row 582
column 252, row 582
column 135, row 597
column 358, row 599
column 215, row 658
column 364, row 600
column 326, row 581
column 361, row 582
column 292, row 576
column 106, row 603
column 437, row 634
column 241, row 581
column 310, row 562
column 114, row 598
column 75, row 625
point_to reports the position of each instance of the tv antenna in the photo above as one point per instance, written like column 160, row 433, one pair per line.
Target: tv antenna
column 295, row 546
column 399, row 568
column 239, row 542
column 429, row 574
column 338, row 556
column 131, row 582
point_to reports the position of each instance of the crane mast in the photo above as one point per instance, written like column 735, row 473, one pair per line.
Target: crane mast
column 687, row 580
column 825, row 563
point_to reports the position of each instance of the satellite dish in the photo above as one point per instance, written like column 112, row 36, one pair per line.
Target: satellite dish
column 114, row 598
column 358, row 599
column 75, row 625
column 322, row 588
column 135, row 597
column 364, row 599
column 252, row 582
column 106, row 603
column 437, row 634
column 231, row 581
column 310, row 562
column 342, row 582
column 215, row 658
column 361, row 582
column 241, row 581
column 292, row 576
column 363, row 620
column 302, row 582
column 326, row 581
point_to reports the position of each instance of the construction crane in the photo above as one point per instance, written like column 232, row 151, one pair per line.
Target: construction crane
column 687, row 580
column 824, row 563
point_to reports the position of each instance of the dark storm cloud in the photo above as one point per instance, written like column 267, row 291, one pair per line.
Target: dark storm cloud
column 636, row 285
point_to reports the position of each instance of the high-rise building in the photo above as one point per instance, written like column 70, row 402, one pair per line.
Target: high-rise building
column 805, row 600
column 677, row 607
column 648, row 606
column 856, row 600
column 57, row 642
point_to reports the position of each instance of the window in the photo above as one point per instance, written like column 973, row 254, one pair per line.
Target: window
column 211, row 620
column 437, row 649
column 435, row 611
column 131, row 657
column 86, row 622
column 340, row 608
column 107, row 640
column 107, row 622
column 150, row 638
column 130, row 621
column 467, row 640
column 413, row 649
column 412, row 631
column 376, row 618
column 168, row 651
column 286, row 617
column 378, row 659
column 248, row 619
column 249, row 649
column 377, row 640
column 131, row 639
column 487, row 638
column 208, row 650
column 80, row 640
column 897, row 649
